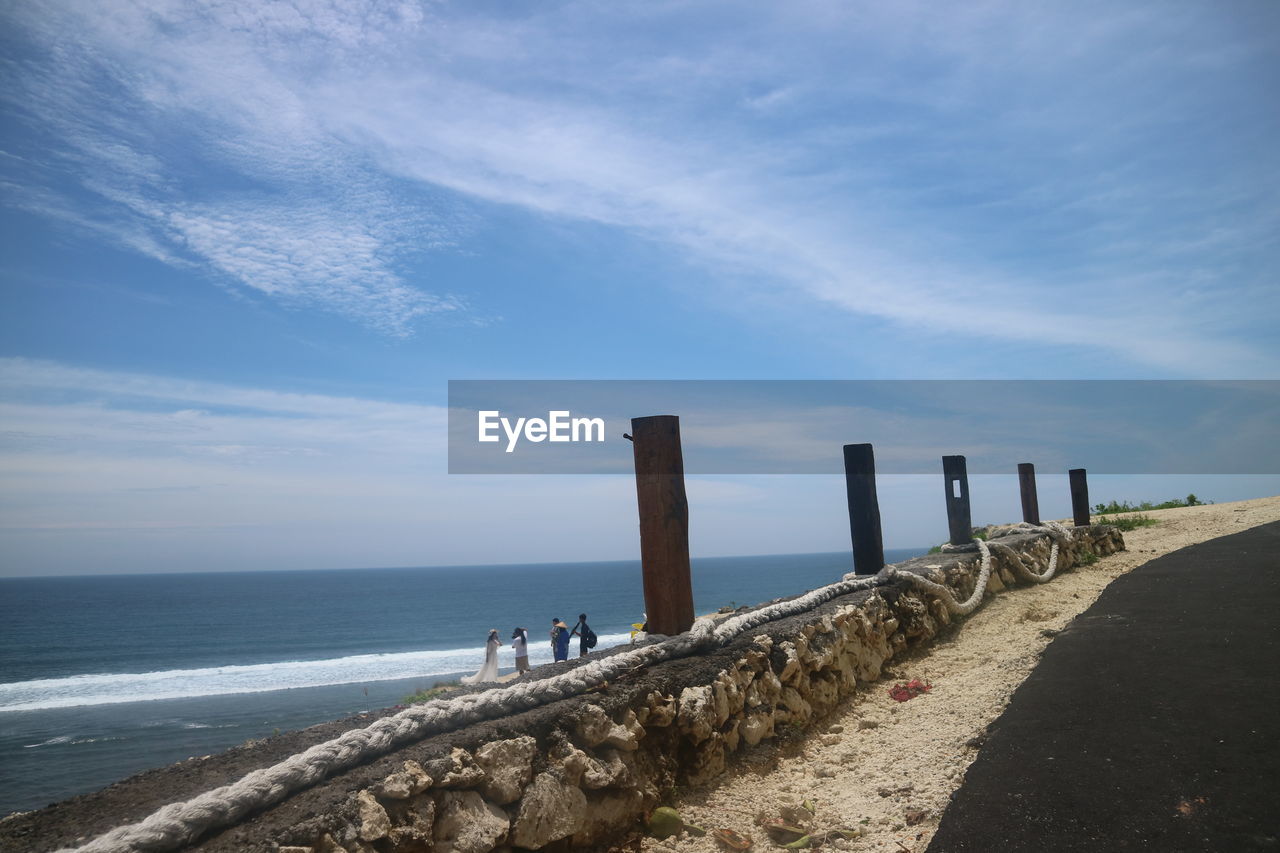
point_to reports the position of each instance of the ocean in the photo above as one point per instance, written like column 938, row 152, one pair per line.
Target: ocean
column 102, row 677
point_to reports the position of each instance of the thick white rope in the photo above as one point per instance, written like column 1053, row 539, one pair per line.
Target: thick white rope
column 1059, row 535
column 180, row 823
column 1056, row 532
column 960, row 608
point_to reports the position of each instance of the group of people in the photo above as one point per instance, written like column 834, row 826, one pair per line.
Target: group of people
column 561, row 634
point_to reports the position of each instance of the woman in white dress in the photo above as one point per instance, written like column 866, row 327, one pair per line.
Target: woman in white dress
column 488, row 672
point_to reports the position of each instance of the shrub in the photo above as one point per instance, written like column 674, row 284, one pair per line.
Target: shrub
column 1128, row 522
column 1125, row 506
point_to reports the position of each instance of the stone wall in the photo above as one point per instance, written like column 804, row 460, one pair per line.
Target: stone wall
column 582, row 773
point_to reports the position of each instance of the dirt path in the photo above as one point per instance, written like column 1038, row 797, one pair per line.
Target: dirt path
column 888, row 768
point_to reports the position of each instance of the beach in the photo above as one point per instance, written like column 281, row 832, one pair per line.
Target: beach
column 148, row 670
column 887, row 769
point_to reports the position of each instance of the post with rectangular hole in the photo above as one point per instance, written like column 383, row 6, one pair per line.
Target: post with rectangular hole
column 664, row 523
column 1079, row 497
column 864, row 509
column 1027, row 485
column 957, row 480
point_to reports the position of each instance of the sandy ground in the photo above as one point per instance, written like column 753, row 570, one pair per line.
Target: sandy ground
column 887, row 769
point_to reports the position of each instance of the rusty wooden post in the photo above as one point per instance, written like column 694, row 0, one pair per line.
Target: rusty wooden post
column 864, row 509
column 957, row 482
column 1027, row 485
column 664, row 523
column 1079, row 497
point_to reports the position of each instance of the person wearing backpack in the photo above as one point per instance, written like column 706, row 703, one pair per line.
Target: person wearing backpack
column 586, row 637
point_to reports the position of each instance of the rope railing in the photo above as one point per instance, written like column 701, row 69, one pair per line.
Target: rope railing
column 177, row 824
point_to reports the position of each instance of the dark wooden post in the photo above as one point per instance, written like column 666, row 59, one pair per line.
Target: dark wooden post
column 956, row 477
column 1027, row 485
column 1079, row 497
column 664, row 523
column 864, row 509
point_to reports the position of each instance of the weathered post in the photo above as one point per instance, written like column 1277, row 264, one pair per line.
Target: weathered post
column 1027, row 485
column 664, row 523
column 1079, row 497
column 864, row 509
column 956, row 477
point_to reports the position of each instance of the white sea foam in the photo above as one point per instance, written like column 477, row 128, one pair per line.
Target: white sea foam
column 68, row 740
column 114, row 688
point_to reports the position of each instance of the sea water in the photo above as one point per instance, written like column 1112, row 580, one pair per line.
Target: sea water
column 105, row 676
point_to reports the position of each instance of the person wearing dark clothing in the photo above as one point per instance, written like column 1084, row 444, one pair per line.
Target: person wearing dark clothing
column 586, row 637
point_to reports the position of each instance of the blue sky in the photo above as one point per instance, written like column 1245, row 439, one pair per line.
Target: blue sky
column 245, row 245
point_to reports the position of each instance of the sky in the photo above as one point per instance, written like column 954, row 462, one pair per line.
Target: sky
column 245, row 246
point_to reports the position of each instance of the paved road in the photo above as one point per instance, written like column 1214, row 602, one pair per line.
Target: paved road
column 1151, row 723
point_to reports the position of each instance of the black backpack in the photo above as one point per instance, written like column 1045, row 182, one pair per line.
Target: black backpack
column 590, row 637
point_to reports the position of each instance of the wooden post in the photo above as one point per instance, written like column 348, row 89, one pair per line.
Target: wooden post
column 664, row 523
column 956, row 478
column 1079, row 497
column 1027, row 485
column 864, row 509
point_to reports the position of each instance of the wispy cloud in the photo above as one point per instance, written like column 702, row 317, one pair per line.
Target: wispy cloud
column 1013, row 173
column 199, row 155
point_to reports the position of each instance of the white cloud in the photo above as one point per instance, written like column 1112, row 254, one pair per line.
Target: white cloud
column 980, row 170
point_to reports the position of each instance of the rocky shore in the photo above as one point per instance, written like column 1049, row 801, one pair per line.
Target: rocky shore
column 793, row 722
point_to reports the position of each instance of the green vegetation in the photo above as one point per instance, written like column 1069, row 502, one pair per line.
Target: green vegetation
column 430, row 693
column 1125, row 506
column 1087, row 558
column 1127, row 522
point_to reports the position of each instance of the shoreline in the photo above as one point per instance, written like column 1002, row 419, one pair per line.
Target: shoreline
column 888, row 768
column 807, row 760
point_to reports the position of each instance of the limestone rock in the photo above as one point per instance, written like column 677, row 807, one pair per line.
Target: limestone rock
column 549, row 811
column 626, row 734
column 708, row 760
column 374, row 823
column 800, row 709
column 791, row 661
column 662, row 710
column 508, row 767
column 770, row 687
column 468, row 824
column 607, row 812
column 459, row 770
column 696, row 716
column 406, row 783
column 609, row 769
column 593, row 725
column 824, row 693
column 572, row 762
column 756, row 727
column 731, row 734
column 719, row 701
column 328, row 844
column 415, row 825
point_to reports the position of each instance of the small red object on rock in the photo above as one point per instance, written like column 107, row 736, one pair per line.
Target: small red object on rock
column 910, row 690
